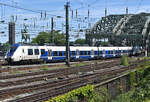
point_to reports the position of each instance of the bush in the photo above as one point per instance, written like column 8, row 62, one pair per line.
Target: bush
column 125, row 60
column 44, row 67
column 148, row 54
column 123, row 97
column 83, row 93
column 132, row 80
column 141, row 93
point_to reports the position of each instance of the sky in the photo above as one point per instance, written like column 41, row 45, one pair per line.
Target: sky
column 54, row 8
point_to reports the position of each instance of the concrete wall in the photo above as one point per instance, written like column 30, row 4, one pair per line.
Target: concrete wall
column 117, row 86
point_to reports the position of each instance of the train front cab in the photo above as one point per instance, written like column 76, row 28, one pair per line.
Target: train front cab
column 9, row 57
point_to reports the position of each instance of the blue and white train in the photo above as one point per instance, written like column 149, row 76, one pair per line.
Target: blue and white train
column 19, row 52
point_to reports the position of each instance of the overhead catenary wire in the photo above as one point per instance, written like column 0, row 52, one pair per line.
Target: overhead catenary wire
column 87, row 5
column 138, row 6
column 30, row 10
column 83, row 20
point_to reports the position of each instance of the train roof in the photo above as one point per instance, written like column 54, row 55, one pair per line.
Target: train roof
column 76, row 47
column 20, row 44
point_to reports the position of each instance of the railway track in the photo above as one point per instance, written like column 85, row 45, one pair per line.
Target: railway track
column 59, row 74
column 49, row 83
column 18, row 82
column 97, row 72
column 7, row 92
column 7, row 68
column 57, row 90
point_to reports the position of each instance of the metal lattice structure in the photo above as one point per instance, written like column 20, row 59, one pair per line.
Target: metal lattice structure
column 127, row 30
column 106, row 24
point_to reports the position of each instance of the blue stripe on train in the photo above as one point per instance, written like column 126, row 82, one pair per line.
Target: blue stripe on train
column 14, row 45
column 109, row 55
column 84, row 57
column 58, row 58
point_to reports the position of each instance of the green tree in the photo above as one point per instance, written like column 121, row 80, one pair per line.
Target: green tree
column 125, row 60
column 104, row 43
column 44, row 37
column 80, row 41
column 59, row 38
column 5, row 46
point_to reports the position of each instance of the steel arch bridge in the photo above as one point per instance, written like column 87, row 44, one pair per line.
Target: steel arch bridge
column 127, row 30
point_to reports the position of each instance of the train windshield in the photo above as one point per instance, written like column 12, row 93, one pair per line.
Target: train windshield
column 12, row 49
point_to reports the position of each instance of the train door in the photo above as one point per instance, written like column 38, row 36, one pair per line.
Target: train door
column 121, row 52
column 77, row 54
column 98, row 53
column 104, row 52
column 23, row 54
column 36, row 53
column 118, row 52
column 92, row 53
column 114, row 52
column 29, row 54
column 49, row 54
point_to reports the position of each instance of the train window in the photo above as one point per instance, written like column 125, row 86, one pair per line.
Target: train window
column 66, row 53
column 84, row 53
column 49, row 52
column 30, row 52
column 81, row 52
column 55, row 53
column 22, row 50
column 95, row 52
column 101, row 52
column 42, row 51
column 89, row 52
column 60, row 53
column 36, row 51
column 111, row 52
column 73, row 53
